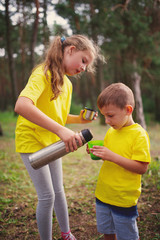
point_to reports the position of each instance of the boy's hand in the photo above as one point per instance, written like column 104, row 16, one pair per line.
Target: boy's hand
column 87, row 149
column 102, row 152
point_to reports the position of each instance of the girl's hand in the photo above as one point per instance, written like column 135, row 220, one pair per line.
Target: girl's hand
column 96, row 116
column 70, row 138
column 84, row 120
column 87, row 149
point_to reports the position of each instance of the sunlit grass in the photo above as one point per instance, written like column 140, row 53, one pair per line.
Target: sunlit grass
column 8, row 123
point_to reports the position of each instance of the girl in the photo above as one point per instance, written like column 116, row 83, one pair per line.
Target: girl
column 44, row 106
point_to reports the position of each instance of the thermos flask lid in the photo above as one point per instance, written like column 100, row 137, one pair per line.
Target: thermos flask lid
column 87, row 134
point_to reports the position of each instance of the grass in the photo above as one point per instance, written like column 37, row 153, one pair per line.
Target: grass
column 18, row 197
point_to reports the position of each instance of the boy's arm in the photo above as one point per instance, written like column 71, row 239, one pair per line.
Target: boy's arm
column 129, row 164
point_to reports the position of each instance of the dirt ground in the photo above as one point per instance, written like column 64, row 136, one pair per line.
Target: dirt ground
column 22, row 224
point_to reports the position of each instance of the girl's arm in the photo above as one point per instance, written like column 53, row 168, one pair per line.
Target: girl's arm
column 78, row 118
column 26, row 108
column 131, row 165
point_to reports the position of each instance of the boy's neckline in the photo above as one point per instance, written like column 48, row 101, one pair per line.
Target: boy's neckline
column 126, row 127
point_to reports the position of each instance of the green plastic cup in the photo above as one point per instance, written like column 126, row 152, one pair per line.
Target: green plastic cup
column 93, row 143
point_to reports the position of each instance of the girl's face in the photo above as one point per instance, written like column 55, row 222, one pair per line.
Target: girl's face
column 116, row 117
column 76, row 61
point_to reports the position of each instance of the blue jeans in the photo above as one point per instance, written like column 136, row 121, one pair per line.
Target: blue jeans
column 117, row 220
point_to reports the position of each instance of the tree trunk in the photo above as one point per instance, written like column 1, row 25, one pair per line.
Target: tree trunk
column 10, row 55
column 91, row 90
column 45, row 26
column 34, row 34
column 138, row 99
column 1, row 132
column 22, row 24
column 99, row 78
column 76, row 19
column 100, row 86
column 157, row 107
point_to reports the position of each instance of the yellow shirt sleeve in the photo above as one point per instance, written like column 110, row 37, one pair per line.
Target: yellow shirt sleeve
column 141, row 148
column 35, row 86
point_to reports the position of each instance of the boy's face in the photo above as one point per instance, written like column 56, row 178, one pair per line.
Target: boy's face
column 117, row 117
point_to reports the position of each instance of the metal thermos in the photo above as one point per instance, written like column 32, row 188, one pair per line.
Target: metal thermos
column 55, row 151
column 89, row 114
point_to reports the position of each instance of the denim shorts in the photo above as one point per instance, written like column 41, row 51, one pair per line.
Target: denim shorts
column 117, row 220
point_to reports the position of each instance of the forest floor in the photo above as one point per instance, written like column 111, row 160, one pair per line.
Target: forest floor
column 18, row 198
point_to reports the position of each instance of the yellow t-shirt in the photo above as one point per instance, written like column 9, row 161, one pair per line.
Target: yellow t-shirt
column 29, row 136
column 116, row 185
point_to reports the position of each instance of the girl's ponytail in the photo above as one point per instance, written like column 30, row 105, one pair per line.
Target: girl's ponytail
column 53, row 64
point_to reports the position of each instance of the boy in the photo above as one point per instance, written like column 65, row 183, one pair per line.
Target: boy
column 126, row 155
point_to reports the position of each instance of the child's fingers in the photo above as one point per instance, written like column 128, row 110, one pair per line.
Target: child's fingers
column 96, row 150
column 95, row 116
column 96, row 147
column 87, row 149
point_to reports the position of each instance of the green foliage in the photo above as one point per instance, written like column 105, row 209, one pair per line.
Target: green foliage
column 152, row 177
column 7, row 117
column 8, row 122
column 149, row 118
column 75, row 108
column 125, row 35
column 126, row 31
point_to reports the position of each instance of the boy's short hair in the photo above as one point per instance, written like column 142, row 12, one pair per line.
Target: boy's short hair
column 117, row 94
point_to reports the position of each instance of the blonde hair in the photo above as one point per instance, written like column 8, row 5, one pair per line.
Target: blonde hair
column 117, row 94
column 54, row 58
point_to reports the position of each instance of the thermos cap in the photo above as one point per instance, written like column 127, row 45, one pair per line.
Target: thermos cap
column 90, row 109
column 87, row 134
